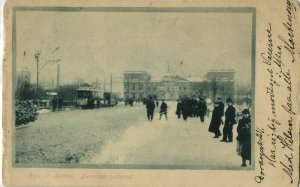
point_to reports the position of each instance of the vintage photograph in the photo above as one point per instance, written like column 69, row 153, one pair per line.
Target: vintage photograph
column 134, row 88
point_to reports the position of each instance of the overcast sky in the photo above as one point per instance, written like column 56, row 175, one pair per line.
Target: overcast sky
column 91, row 45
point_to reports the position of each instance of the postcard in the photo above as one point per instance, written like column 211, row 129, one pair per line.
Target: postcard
column 151, row 93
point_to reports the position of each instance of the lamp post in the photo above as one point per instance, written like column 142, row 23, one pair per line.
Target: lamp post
column 37, row 58
column 39, row 69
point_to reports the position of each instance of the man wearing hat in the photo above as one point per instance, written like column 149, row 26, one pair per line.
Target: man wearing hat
column 229, row 122
column 150, row 106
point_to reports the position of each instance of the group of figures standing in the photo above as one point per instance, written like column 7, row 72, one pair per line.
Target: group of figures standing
column 150, row 106
column 244, row 131
column 193, row 108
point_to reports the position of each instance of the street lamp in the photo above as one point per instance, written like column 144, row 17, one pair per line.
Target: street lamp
column 39, row 69
column 37, row 58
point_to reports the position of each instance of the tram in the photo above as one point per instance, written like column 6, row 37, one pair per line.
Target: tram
column 92, row 97
column 88, row 97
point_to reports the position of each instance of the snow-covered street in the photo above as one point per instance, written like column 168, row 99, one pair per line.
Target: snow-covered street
column 123, row 135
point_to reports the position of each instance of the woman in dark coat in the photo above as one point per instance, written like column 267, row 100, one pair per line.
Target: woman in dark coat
column 216, row 121
column 244, row 137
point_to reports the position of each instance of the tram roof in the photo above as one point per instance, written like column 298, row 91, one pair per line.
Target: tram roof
column 89, row 89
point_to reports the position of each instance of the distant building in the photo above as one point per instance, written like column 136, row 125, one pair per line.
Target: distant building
column 136, row 84
column 222, row 82
column 139, row 84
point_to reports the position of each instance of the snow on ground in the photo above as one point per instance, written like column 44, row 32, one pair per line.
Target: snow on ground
column 43, row 111
column 123, row 135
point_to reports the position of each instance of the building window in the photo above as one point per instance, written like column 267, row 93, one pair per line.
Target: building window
column 126, row 86
column 132, row 86
column 141, row 86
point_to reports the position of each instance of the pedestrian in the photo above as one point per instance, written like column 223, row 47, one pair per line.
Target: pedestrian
column 150, row 106
column 157, row 103
column 221, row 107
column 131, row 102
column 244, row 137
column 190, row 107
column 216, row 121
column 229, row 122
column 98, row 103
column 185, row 109
column 202, row 109
column 92, row 103
column 163, row 110
column 60, row 103
column 54, row 103
column 195, row 111
column 178, row 109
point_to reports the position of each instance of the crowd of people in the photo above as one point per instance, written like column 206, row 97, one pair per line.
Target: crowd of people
column 198, row 108
column 243, row 129
column 191, row 108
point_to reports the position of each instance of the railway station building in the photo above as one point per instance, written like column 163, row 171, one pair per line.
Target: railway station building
column 216, row 83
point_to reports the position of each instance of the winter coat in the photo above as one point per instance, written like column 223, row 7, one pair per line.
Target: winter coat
column 178, row 108
column 202, row 108
column 221, row 107
column 244, row 137
column 150, row 105
column 163, row 107
column 215, row 120
column 230, row 116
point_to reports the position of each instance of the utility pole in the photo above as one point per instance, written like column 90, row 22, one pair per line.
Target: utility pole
column 58, row 76
column 111, row 88
column 37, row 58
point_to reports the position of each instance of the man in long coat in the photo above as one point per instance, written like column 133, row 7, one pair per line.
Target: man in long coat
column 202, row 109
column 178, row 109
column 150, row 106
column 185, row 108
column 229, row 122
column 216, row 121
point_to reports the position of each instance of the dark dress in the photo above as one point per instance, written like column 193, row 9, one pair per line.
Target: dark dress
column 216, row 121
column 244, row 138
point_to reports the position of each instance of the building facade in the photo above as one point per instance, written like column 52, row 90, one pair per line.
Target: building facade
column 136, row 84
column 217, row 83
column 222, row 83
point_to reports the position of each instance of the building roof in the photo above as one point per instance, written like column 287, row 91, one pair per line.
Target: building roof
column 136, row 72
column 221, row 70
column 194, row 79
column 173, row 78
